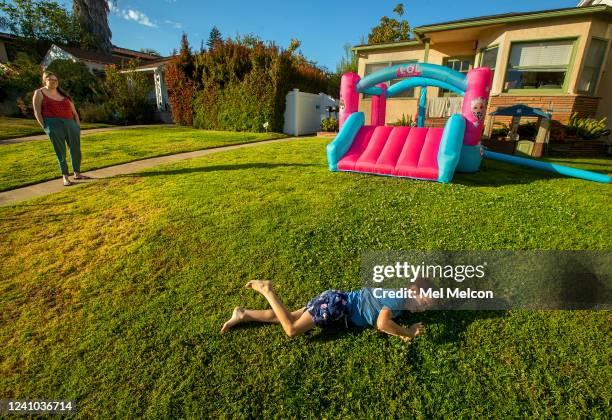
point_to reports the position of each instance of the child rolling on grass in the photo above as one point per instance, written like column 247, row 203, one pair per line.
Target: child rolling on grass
column 359, row 308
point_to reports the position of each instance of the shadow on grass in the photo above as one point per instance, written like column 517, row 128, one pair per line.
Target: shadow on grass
column 215, row 168
column 451, row 324
column 499, row 175
column 580, row 165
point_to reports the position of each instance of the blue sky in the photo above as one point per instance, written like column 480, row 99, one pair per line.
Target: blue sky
column 323, row 27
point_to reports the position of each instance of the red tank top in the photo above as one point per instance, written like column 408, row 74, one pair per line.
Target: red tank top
column 52, row 108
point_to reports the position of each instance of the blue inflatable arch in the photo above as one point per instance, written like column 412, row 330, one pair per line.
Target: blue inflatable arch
column 416, row 74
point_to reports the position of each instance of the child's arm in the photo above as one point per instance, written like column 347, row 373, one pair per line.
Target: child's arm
column 385, row 323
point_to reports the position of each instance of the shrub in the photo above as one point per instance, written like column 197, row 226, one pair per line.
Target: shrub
column 405, row 121
column 238, row 85
column 502, row 131
column 19, row 84
column 329, row 124
column 127, row 95
column 181, row 85
column 96, row 113
column 77, row 80
column 587, row 128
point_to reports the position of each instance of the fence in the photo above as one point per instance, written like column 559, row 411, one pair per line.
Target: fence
column 304, row 112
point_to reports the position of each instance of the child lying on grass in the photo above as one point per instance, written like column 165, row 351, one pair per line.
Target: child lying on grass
column 361, row 308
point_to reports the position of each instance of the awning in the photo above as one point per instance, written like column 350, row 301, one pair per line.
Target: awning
column 521, row 110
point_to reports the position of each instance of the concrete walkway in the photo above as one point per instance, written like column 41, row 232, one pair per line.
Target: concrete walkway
column 83, row 132
column 50, row 187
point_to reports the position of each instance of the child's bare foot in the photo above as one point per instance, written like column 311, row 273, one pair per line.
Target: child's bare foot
column 237, row 317
column 413, row 331
column 260, row 286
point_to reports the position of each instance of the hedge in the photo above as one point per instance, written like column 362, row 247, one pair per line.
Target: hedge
column 238, row 85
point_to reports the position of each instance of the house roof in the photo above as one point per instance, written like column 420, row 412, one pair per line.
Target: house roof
column 134, row 54
column 98, row 57
column 6, row 37
column 421, row 31
column 154, row 63
column 94, row 56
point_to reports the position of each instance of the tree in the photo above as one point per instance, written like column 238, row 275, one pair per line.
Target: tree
column 348, row 62
column 214, row 38
column 150, row 51
column 93, row 18
column 37, row 21
column 390, row 29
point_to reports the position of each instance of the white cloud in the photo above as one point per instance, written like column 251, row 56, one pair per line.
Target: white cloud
column 177, row 25
column 131, row 14
column 137, row 16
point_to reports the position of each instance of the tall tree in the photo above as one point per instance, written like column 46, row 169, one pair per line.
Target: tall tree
column 390, row 29
column 348, row 62
column 214, row 37
column 93, row 18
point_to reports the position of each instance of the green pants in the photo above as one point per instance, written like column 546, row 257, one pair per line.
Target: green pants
column 62, row 131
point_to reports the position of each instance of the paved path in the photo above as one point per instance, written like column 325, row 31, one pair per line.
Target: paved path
column 83, row 132
column 50, row 187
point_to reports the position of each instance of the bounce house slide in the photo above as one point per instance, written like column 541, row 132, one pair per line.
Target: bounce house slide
column 414, row 152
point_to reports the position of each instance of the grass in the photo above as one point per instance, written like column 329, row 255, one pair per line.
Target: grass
column 11, row 128
column 113, row 294
column 33, row 162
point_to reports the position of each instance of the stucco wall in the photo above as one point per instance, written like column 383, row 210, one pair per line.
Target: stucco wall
column 580, row 27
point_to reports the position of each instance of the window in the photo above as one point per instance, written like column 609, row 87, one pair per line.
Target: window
column 592, row 66
column 489, row 58
column 371, row 68
column 460, row 64
column 538, row 65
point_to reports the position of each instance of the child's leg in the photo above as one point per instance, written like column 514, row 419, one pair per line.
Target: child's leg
column 267, row 315
column 292, row 328
column 241, row 315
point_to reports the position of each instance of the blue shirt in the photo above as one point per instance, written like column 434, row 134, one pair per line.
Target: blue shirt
column 363, row 307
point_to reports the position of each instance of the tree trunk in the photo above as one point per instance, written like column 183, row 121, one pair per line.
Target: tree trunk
column 93, row 18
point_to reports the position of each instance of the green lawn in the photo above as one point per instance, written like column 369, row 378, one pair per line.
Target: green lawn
column 21, row 127
column 113, row 294
column 33, row 162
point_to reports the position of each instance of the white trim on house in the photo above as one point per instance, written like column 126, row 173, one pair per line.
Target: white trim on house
column 56, row 53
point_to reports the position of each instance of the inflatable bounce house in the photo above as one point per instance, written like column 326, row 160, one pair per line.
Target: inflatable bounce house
column 420, row 152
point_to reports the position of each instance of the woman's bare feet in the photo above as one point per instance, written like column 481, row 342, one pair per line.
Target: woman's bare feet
column 413, row 331
column 261, row 286
column 66, row 181
column 237, row 318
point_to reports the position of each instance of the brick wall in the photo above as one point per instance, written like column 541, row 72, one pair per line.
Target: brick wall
column 562, row 107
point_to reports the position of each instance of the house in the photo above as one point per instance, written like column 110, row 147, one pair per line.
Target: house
column 558, row 60
column 97, row 61
column 159, row 96
column 92, row 59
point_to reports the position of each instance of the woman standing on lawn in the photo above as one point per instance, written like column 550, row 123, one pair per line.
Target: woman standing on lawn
column 56, row 114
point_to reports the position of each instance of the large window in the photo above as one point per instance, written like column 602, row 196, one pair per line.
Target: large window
column 460, row 64
column 592, row 66
column 371, row 68
column 489, row 58
column 539, row 65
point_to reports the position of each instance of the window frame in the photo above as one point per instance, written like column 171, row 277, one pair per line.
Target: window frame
column 569, row 68
column 483, row 50
column 445, row 60
column 390, row 63
column 599, row 70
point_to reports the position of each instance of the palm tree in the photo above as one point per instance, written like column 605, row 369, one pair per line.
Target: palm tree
column 93, row 18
